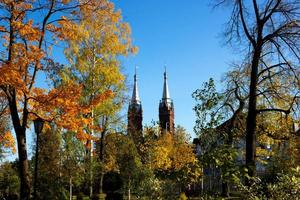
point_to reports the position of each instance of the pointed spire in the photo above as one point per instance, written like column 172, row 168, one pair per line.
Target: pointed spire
column 135, row 94
column 166, row 95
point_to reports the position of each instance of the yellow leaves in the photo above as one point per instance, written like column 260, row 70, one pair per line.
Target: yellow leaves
column 7, row 141
column 100, row 28
column 168, row 152
column 69, row 30
column 162, row 159
column 180, row 161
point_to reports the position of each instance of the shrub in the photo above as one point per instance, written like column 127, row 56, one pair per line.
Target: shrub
column 182, row 196
column 285, row 186
column 80, row 196
column 99, row 196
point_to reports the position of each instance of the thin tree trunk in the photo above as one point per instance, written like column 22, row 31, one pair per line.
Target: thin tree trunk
column 101, row 157
column 129, row 197
column 70, row 188
column 225, row 189
column 91, row 171
column 101, row 182
column 91, row 155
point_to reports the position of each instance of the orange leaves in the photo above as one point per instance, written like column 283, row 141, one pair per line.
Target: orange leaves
column 25, row 52
column 65, row 1
column 16, row 73
column 27, row 30
column 68, row 30
column 63, row 107
column 99, row 98
column 7, row 141
column 2, row 29
column 10, row 76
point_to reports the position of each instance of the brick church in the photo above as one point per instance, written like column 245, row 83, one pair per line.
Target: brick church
column 135, row 111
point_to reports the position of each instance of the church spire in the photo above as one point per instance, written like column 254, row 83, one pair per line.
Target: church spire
column 166, row 94
column 135, row 94
column 166, row 108
column 135, row 114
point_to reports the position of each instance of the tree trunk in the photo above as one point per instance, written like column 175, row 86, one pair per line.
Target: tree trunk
column 23, row 166
column 129, row 197
column 225, row 189
column 91, row 171
column 101, row 182
column 22, row 149
column 251, row 118
column 91, row 155
column 101, row 158
column 70, row 188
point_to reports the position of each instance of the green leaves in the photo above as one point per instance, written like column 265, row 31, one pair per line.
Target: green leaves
column 207, row 108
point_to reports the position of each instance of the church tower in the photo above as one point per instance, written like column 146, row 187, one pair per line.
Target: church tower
column 135, row 113
column 166, row 109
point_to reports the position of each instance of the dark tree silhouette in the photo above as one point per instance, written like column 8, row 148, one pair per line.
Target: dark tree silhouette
column 269, row 33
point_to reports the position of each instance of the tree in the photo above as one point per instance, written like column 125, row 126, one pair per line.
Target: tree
column 162, row 154
column 25, row 51
column 221, row 123
column 94, row 55
column 270, row 30
column 9, row 180
column 129, row 163
column 49, row 183
column 72, row 162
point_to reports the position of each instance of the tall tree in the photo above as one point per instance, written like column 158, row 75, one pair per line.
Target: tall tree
column 49, row 185
column 102, row 38
column 220, row 124
column 269, row 32
column 28, row 28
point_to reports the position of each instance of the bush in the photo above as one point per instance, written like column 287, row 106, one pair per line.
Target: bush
column 99, row 196
column 80, row 196
column 182, row 196
column 285, row 186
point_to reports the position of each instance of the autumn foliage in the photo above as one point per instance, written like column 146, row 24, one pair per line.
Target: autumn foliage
column 29, row 30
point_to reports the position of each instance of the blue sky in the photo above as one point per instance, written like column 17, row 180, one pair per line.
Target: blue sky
column 184, row 35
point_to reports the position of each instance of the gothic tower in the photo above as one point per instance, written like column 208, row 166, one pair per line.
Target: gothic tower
column 166, row 109
column 135, row 114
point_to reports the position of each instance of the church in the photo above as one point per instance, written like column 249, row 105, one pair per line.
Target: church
column 135, row 111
